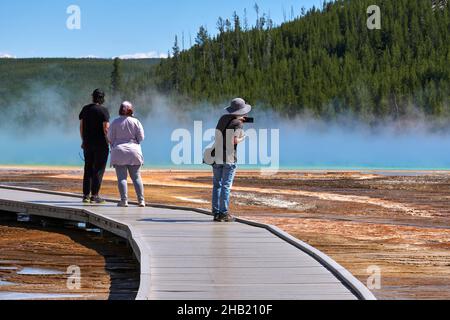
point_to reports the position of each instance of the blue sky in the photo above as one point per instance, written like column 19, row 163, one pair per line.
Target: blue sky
column 112, row 28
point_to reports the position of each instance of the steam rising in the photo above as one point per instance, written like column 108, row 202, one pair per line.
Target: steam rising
column 50, row 135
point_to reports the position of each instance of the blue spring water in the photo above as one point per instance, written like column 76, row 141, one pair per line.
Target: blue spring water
column 302, row 146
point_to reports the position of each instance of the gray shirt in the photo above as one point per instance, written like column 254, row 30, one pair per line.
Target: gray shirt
column 126, row 135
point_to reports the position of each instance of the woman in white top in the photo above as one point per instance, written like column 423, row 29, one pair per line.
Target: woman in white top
column 126, row 135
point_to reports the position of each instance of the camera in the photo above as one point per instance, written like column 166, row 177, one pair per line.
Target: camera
column 249, row 120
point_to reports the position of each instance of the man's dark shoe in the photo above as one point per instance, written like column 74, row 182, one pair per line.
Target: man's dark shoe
column 97, row 200
column 227, row 218
column 217, row 218
column 86, row 199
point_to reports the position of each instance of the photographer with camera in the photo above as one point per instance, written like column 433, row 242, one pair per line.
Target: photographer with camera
column 229, row 133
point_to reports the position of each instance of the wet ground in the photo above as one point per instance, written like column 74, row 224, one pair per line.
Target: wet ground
column 398, row 222
column 62, row 262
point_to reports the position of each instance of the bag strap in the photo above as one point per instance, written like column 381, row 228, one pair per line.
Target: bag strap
column 226, row 127
column 213, row 149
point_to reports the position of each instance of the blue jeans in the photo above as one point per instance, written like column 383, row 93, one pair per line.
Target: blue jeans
column 222, row 183
column 135, row 174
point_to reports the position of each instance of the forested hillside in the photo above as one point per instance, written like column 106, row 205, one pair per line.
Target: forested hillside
column 326, row 62
column 27, row 85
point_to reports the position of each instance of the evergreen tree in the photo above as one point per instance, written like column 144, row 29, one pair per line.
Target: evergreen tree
column 116, row 78
column 176, row 65
column 202, row 36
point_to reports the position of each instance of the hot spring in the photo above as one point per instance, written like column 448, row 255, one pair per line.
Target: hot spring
column 303, row 143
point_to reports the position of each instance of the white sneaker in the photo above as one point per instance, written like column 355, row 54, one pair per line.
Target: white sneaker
column 123, row 204
column 142, row 204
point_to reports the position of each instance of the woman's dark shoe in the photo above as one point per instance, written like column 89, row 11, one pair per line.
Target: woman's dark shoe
column 227, row 218
column 216, row 215
column 97, row 200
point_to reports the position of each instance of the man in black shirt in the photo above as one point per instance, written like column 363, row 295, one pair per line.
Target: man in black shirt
column 94, row 125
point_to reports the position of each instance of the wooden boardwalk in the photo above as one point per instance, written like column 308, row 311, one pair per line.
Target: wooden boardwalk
column 184, row 255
